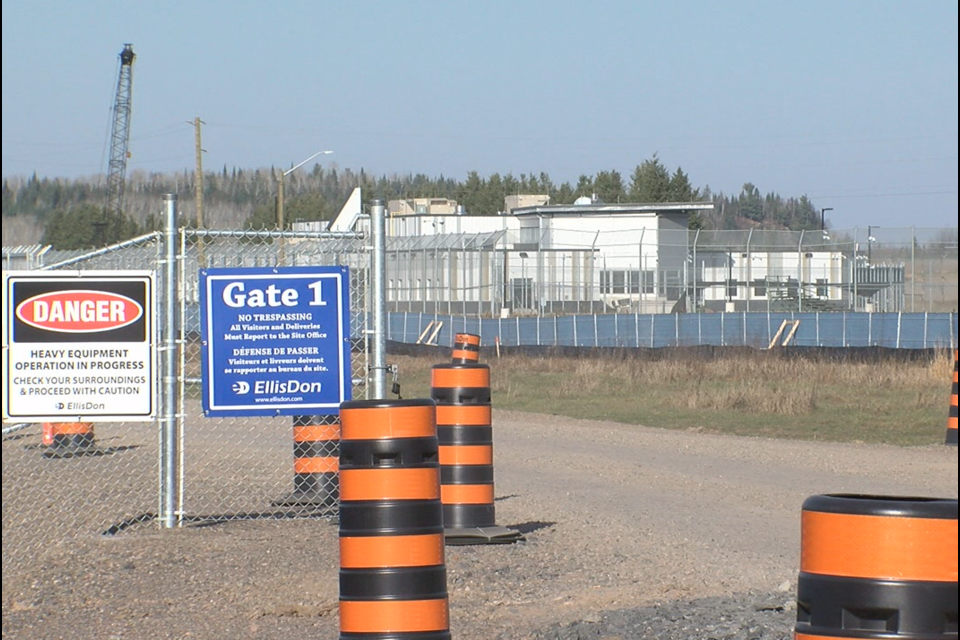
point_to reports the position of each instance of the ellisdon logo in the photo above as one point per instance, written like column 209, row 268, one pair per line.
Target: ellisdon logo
column 79, row 311
column 261, row 387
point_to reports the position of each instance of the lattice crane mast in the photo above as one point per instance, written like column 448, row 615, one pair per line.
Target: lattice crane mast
column 120, row 136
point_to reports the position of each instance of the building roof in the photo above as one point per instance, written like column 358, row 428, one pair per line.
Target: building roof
column 445, row 241
column 612, row 209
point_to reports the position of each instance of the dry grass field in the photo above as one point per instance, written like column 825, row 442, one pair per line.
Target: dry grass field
column 874, row 397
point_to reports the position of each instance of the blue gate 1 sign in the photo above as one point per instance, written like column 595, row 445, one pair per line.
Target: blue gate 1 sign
column 275, row 341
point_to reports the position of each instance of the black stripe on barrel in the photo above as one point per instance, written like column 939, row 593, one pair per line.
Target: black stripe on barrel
column 466, row 348
column 393, row 582
column 877, row 567
column 952, row 416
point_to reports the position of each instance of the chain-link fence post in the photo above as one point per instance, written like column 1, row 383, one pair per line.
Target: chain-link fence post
column 378, row 366
column 168, row 373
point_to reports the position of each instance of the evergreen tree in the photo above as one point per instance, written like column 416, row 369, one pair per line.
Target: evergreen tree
column 650, row 182
column 609, row 187
column 87, row 226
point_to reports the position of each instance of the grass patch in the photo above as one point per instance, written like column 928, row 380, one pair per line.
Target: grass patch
column 746, row 393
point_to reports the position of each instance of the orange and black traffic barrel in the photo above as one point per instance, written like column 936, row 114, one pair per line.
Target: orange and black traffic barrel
column 393, row 577
column 68, row 439
column 877, row 567
column 466, row 348
column 316, row 451
column 465, row 432
column 952, row 417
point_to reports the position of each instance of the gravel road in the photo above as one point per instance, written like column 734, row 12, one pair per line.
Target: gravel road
column 630, row 533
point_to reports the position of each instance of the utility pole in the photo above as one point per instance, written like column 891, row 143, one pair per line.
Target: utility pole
column 198, row 187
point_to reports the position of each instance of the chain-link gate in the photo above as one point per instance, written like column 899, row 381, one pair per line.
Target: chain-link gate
column 256, row 467
column 227, row 468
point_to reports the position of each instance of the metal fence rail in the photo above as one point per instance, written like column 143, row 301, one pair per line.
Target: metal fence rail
column 757, row 330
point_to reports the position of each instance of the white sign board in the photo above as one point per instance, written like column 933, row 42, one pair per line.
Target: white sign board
column 78, row 346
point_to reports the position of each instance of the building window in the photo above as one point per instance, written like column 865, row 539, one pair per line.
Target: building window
column 632, row 281
column 823, row 291
column 760, row 288
column 731, row 288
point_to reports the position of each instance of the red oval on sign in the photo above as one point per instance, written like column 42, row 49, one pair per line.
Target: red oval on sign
column 79, row 311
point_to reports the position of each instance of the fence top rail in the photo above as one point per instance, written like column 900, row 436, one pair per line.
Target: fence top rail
column 266, row 233
column 126, row 244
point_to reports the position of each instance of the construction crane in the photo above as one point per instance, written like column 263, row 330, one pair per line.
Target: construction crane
column 120, row 136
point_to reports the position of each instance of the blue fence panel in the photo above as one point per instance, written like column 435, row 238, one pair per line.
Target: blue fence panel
column 608, row 327
column 529, row 331
column 829, row 329
column 689, row 326
column 941, row 330
column 759, row 330
column 664, row 330
column 583, row 327
column 627, row 330
column 732, row 329
column 564, row 327
column 885, row 330
column 508, row 330
column 756, row 330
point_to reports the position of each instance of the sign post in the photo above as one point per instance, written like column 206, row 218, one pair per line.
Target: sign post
column 275, row 341
column 79, row 346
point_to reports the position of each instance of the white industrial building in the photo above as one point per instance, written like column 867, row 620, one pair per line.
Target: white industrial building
column 534, row 258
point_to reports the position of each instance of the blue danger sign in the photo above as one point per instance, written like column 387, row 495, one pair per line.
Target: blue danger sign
column 275, row 341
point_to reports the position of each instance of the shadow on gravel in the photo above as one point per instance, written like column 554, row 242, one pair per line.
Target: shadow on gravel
column 530, row 527
column 49, row 452
column 196, row 522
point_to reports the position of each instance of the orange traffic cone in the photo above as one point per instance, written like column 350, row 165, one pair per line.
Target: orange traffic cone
column 393, row 575
column 466, row 348
column 464, row 414
column 952, row 418
column 69, row 439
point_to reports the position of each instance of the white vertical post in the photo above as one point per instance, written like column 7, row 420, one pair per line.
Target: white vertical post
column 168, row 375
column 378, row 365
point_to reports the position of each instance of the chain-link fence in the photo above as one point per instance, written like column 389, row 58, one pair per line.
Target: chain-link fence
column 52, row 494
column 566, row 270
column 225, row 468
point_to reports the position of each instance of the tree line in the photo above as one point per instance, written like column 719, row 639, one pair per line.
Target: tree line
column 70, row 214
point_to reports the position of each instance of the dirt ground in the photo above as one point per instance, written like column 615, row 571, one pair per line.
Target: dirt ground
column 613, row 517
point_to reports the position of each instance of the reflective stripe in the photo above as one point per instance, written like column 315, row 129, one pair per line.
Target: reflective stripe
column 390, row 484
column 391, row 551
column 377, row 423
column 879, row 547
column 385, row 616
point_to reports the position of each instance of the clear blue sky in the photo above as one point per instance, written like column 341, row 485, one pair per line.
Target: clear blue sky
column 853, row 103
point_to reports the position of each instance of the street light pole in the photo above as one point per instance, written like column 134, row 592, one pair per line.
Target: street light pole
column 280, row 180
column 280, row 186
column 823, row 211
